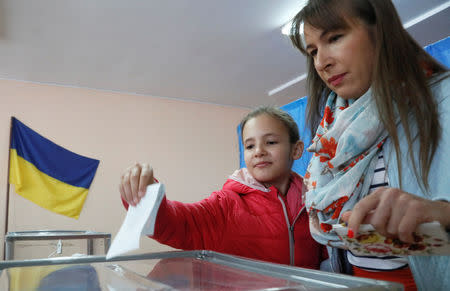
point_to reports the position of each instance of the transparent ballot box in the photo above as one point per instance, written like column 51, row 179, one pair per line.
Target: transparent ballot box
column 177, row 270
column 40, row 244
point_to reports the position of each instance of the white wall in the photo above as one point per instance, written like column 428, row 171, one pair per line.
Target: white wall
column 191, row 146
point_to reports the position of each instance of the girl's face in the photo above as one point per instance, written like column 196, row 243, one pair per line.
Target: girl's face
column 268, row 153
column 343, row 58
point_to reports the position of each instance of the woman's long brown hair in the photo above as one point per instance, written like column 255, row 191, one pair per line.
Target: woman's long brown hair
column 400, row 81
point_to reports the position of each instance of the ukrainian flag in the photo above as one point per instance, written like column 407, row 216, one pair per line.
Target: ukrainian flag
column 48, row 174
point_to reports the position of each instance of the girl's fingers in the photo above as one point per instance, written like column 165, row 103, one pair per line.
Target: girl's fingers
column 125, row 188
column 134, row 182
column 146, row 179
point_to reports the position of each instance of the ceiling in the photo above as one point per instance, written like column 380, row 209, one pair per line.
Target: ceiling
column 222, row 52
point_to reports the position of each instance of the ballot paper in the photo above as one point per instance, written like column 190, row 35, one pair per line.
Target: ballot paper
column 140, row 220
column 429, row 239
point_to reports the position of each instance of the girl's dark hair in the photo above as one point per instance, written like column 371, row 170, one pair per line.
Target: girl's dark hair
column 276, row 113
column 400, row 81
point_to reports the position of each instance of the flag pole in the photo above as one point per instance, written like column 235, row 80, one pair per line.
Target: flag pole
column 7, row 189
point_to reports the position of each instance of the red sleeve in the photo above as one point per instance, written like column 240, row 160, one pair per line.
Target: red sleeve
column 191, row 226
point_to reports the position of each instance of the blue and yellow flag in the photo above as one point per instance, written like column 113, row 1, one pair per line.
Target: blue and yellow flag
column 48, row 174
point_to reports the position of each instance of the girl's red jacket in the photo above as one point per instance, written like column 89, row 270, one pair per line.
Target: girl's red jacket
column 244, row 219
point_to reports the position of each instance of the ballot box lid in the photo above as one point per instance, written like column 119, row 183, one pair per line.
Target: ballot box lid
column 175, row 270
column 54, row 234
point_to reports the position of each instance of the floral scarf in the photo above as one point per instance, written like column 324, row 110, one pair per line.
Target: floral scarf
column 345, row 148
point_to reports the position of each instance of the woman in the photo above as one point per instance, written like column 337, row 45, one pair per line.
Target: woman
column 380, row 106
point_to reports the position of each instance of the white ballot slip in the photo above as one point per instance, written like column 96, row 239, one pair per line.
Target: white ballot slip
column 140, row 220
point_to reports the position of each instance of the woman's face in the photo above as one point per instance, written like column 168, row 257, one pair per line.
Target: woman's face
column 343, row 58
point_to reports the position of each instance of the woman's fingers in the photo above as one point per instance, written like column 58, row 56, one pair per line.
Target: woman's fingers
column 403, row 221
column 360, row 211
column 382, row 212
column 346, row 216
column 396, row 213
column 418, row 211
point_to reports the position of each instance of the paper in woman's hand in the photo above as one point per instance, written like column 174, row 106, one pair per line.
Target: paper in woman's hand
column 429, row 239
column 140, row 220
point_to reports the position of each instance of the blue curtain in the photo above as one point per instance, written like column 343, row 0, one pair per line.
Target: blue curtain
column 439, row 50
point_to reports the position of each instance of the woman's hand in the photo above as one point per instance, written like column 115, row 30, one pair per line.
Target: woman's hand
column 395, row 213
column 134, row 182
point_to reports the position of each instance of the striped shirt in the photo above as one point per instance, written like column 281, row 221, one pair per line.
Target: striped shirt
column 380, row 179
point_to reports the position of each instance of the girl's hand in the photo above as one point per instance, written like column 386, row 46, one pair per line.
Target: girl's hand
column 134, row 182
column 395, row 213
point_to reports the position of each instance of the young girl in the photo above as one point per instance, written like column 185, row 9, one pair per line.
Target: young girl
column 380, row 107
column 257, row 214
